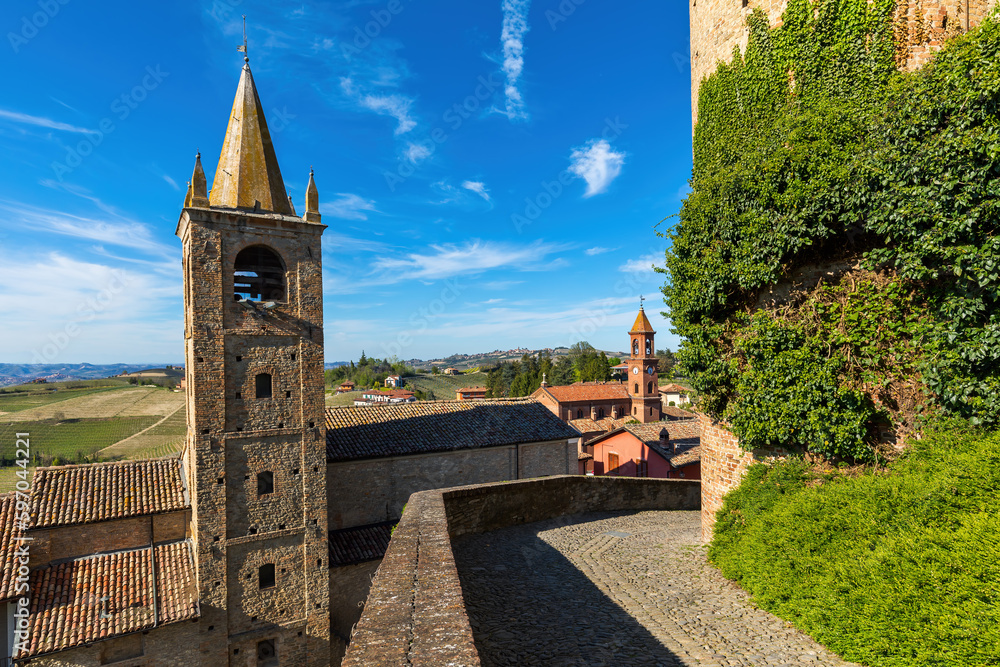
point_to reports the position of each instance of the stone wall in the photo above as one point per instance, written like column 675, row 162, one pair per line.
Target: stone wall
column 349, row 586
column 415, row 613
column 723, row 465
column 719, row 26
column 167, row 646
column 375, row 490
column 63, row 542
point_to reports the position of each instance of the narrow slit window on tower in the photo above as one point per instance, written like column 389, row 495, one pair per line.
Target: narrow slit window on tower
column 264, row 385
column 635, row 347
column 266, row 575
column 635, row 389
column 258, row 275
column 265, row 483
column 648, row 350
column 649, row 387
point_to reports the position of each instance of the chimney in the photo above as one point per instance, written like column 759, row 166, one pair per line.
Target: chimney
column 665, row 439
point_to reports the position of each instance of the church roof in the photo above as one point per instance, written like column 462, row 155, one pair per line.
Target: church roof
column 359, row 544
column 642, row 324
column 67, row 495
column 248, row 168
column 400, row 429
column 98, row 597
column 586, row 392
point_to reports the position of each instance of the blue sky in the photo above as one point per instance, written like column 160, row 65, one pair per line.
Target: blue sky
column 490, row 171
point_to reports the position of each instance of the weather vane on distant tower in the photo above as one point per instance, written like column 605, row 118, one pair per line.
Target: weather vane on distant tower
column 641, row 299
column 243, row 49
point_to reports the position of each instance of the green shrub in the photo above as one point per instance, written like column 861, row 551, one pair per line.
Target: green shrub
column 894, row 568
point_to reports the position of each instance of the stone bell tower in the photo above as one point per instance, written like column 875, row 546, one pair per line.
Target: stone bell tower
column 643, row 376
column 255, row 453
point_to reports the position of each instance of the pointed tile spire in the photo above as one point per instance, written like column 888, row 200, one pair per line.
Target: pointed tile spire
column 642, row 324
column 312, row 200
column 198, row 187
column 189, row 197
column 248, row 172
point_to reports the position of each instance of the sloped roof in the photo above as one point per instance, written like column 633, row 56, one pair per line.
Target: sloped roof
column 642, row 324
column 674, row 388
column 684, row 438
column 687, row 457
column 586, row 392
column 67, row 495
column 99, row 597
column 9, row 531
column 374, row 431
column 359, row 544
column 676, row 414
column 248, row 168
column 586, row 425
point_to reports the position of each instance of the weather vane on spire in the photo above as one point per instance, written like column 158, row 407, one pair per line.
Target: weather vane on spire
column 243, row 49
column 641, row 299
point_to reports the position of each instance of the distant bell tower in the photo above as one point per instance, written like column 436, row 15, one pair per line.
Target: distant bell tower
column 255, row 453
column 643, row 375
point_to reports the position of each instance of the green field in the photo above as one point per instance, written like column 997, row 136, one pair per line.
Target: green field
column 71, row 439
column 9, row 478
column 163, row 439
column 15, row 399
column 334, row 399
column 444, row 386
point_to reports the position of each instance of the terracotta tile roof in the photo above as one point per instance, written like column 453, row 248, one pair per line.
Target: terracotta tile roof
column 692, row 455
column 66, row 495
column 642, row 324
column 586, row 392
column 68, row 605
column 677, row 413
column 584, row 456
column 373, row 431
column 682, row 432
column 9, row 530
column 359, row 544
column 674, row 388
column 471, row 389
column 586, row 425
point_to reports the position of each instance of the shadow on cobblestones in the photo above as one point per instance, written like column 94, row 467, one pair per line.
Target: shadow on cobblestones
column 530, row 605
column 622, row 588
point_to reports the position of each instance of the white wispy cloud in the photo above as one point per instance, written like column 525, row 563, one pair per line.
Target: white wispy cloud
column 478, row 187
column 643, row 264
column 40, row 121
column 416, row 152
column 598, row 164
column 126, row 233
column 395, row 105
column 515, row 25
column 348, row 206
column 171, row 182
column 444, row 261
column 598, row 250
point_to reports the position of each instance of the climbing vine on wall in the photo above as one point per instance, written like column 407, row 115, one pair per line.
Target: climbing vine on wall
column 811, row 149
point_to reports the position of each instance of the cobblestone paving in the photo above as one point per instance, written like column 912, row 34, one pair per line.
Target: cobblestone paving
column 616, row 589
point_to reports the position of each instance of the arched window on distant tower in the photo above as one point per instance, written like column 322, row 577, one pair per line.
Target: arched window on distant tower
column 258, row 275
column 636, row 389
column 649, row 387
column 635, row 347
column 648, row 345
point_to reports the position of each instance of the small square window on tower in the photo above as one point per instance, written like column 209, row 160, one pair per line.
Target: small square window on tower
column 266, row 575
column 265, row 483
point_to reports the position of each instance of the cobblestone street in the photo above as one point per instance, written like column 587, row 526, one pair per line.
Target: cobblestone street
column 616, row 589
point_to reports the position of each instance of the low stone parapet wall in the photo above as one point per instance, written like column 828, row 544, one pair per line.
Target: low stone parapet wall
column 415, row 613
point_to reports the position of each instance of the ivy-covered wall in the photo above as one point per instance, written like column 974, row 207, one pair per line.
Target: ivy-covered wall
column 812, row 149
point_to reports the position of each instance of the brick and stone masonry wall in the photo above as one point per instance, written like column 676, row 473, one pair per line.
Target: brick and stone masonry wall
column 719, row 26
column 723, row 464
column 415, row 613
column 174, row 645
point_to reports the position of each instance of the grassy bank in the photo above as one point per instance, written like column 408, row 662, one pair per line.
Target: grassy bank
column 893, row 568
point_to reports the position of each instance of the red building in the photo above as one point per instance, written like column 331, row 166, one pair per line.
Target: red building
column 471, row 394
column 667, row 449
column 636, row 398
